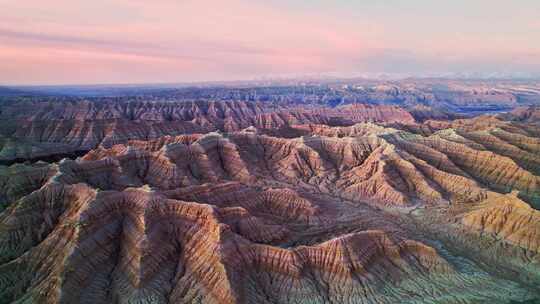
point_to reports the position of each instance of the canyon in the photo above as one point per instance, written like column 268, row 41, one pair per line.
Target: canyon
column 239, row 201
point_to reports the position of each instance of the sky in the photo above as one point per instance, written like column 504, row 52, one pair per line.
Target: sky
column 169, row 41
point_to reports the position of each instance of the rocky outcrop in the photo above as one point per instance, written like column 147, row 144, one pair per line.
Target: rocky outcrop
column 39, row 129
column 275, row 206
column 360, row 163
column 509, row 219
column 70, row 243
column 19, row 180
column 524, row 114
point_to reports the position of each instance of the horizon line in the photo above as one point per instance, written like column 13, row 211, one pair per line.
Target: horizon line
column 383, row 77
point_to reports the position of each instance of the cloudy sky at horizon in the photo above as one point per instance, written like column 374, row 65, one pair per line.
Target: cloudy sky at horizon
column 137, row 41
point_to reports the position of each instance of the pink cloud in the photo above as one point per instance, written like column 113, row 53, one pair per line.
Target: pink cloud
column 206, row 34
column 212, row 39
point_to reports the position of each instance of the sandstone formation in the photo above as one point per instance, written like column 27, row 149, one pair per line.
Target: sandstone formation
column 507, row 218
column 71, row 243
column 39, row 129
column 238, row 202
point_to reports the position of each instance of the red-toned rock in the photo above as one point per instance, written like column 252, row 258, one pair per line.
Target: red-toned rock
column 234, row 202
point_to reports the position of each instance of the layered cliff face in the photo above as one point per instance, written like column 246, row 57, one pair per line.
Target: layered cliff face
column 279, row 206
column 40, row 129
column 71, row 244
column 20, row 180
column 528, row 114
column 507, row 218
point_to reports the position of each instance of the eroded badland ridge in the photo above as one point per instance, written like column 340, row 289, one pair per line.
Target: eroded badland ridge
column 214, row 200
